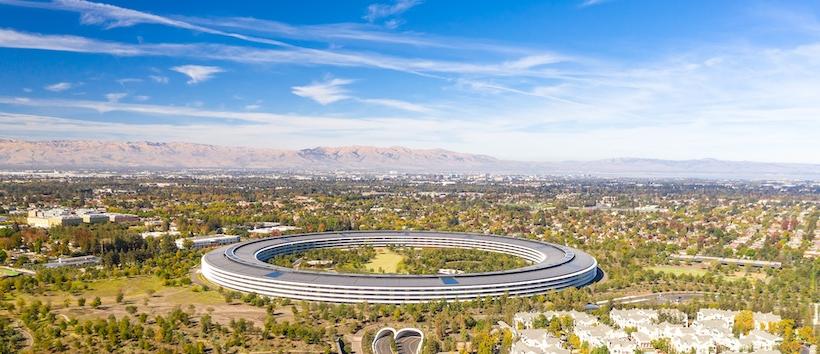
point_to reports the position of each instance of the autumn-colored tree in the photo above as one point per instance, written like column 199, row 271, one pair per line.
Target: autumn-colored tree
column 806, row 334
column 744, row 322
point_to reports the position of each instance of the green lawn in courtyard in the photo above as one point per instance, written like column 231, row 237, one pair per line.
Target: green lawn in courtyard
column 386, row 260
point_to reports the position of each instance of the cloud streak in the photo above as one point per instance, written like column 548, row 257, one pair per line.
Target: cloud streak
column 300, row 56
column 197, row 73
column 110, row 16
column 59, row 87
column 323, row 92
column 379, row 11
column 334, row 90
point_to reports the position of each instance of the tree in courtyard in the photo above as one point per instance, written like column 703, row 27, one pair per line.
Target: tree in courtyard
column 744, row 322
column 600, row 350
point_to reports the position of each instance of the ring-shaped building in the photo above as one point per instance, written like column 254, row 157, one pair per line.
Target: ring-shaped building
column 243, row 267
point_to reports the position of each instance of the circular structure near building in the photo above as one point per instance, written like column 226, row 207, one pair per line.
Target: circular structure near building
column 243, row 267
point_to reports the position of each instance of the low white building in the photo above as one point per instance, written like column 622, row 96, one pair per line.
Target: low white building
column 759, row 340
column 599, row 335
column 642, row 340
column 701, row 344
column 207, row 241
column 524, row 319
column 715, row 314
column 123, row 218
column 52, row 217
column 621, row 346
column 762, row 320
column 633, row 317
column 155, row 234
column 80, row 261
column 271, row 230
column 537, row 341
column 94, row 218
column 520, row 347
column 579, row 319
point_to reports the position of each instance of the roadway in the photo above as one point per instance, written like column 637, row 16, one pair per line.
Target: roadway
column 383, row 345
column 409, row 344
column 660, row 298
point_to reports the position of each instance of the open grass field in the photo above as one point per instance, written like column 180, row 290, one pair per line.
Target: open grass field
column 148, row 295
column 8, row 273
column 132, row 286
column 698, row 271
column 679, row 270
column 385, row 260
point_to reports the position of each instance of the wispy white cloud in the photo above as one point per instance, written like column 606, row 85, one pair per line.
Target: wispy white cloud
column 242, row 128
column 379, row 11
column 115, row 97
column 157, row 110
column 141, row 98
column 197, row 73
column 14, row 39
column 532, row 61
column 393, row 23
column 334, row 90
column 110, row 16
column 128, row 80
column 324, row 92
column 419, row 66
column 158, row 79
column 357, row 32
column 588, row 3
column 397, row 104
column 59, row 87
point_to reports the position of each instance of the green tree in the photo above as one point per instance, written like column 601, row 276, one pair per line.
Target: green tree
column 600, row 350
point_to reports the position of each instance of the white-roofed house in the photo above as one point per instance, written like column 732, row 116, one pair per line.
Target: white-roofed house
column 762, row 320
column 759, row 340
column 621, row 346
column 715, row 314
column 524, row 319
column 641, row 340
column 633, row 317
column 687, row 342
column 541, row 339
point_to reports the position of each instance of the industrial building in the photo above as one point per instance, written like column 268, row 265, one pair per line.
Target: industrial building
column 47, row 218
column 207, row 241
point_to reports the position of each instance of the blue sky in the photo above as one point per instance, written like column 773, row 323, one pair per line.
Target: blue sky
column 524, row 80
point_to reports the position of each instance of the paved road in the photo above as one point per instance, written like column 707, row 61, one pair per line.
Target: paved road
column 408, row 345
column 383, row 345
column 671, row 297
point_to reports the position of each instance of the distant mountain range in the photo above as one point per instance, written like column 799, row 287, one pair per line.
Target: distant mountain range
column 19, row 154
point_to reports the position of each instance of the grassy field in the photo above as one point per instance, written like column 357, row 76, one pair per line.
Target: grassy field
column 385, row 260
column 679, row 270
column 130, row 286
column 697, row 271
column 4, row 272
column 162, row 300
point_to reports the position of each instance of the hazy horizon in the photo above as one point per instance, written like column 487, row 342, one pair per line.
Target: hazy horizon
column 397, row 146
column 574, row 80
